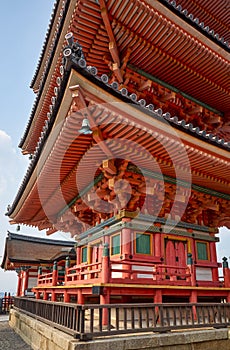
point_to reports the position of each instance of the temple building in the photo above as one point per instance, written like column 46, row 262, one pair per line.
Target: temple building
column 30, row 256
column 129, row 140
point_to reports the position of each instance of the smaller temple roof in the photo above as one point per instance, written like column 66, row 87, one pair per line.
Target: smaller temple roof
column 28, row 250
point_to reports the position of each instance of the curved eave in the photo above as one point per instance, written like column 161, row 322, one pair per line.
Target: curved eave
column 48, row 44
column 5, row 259
column 64, row 149
column 214, row 14
column 202, row 65
column 47, row 71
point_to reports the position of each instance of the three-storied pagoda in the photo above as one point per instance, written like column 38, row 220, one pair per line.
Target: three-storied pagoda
column 129, row 137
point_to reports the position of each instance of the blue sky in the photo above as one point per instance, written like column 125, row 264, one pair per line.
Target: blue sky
column 23, row 25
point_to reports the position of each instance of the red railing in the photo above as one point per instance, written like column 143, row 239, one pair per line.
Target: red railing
column 155, row 273
column 80, row 273
column 118, row 270
column 45, row 279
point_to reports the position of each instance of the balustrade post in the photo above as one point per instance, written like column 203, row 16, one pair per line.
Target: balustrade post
column 55, row 274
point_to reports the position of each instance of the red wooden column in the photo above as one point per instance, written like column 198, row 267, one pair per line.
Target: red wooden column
column 66, row 294
column 213, row 257
column 45, row 295
column 105, row 296
column 126, row 240
column 54, row 280
column 80, row 297
column 55, row 274
column 19, row 284
column 126, row 247
column 78, row 253
column 226, row 273
column 26, row 278
column 158, row 246
column 158, row 296
column 105, row 270
column 193, row 300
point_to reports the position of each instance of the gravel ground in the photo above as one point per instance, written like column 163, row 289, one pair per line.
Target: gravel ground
column 9, row 340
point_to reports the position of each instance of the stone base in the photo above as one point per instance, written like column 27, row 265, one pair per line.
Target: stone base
column 39, row 335
column 43, row 337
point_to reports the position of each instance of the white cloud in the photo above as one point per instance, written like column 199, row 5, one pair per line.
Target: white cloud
column 13, row 166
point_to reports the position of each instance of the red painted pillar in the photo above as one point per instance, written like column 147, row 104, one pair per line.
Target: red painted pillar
column 193, row 300
column 228, row 298
column 53, row 296
column 158, row 296
column 157, row 300
column 78, row 260
column 26, row 280
column 226, row 273
column 67, row 266
column 66, row 297
column 157, row 246
column 126, row 239
column 19, row 284
column 80, row 297
column 105, row 299
column 55, row 274
column 126, row 248
column 45, row 295
column 213, row 256
column 105, row 268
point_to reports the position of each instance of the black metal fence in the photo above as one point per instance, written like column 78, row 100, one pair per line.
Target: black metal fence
column 88, row 321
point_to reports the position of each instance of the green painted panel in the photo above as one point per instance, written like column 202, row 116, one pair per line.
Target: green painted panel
column 116, row 244
column 143, row 243
column 202, row 251
column 84, row 254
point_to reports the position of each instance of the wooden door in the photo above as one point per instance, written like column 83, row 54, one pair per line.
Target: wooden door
column 175, row 258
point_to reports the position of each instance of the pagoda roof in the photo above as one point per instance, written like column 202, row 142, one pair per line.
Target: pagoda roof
column 29, row 250
column 211, row 18
column 164, row 45
column 207, row 162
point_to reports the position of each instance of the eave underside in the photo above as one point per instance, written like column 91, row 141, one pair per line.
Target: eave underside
column 157, row 46
column 70, row 161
